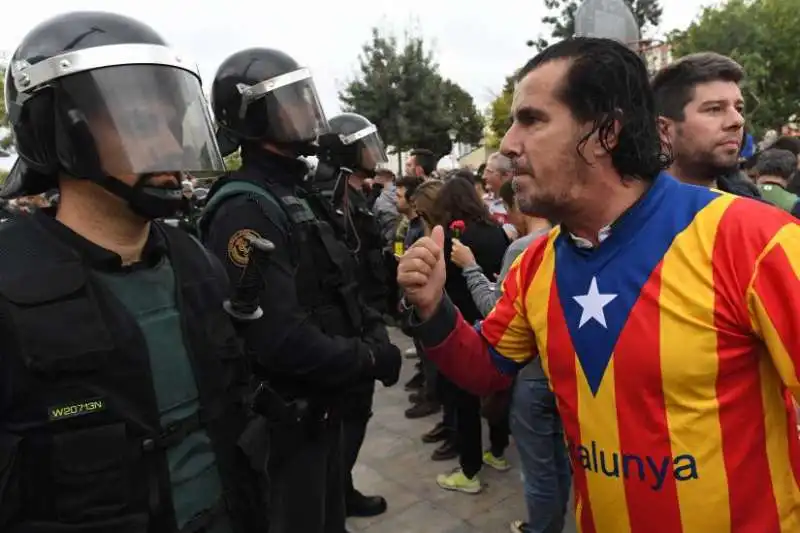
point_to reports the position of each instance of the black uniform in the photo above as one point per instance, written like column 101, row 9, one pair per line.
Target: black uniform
column 81, row 436
column 353, row 149
column 318, row 333
column 320, row 338
column 362, row 235
column 124, row 394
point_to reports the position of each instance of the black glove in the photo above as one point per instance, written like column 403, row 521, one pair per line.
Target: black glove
column 376, row 334
column 386, row 362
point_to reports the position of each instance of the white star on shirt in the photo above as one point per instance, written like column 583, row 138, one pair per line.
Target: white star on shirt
column 593, row 303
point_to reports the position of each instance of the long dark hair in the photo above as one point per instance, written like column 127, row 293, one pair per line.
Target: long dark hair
column 458, row 200
column 607, row 84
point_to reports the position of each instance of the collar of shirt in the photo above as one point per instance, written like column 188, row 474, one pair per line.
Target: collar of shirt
column 586, row 244
column 605, row 231
column 98, row 257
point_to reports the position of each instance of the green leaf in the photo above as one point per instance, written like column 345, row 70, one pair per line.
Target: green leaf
column 399, row 88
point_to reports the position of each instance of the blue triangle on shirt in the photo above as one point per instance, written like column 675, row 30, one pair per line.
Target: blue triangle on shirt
column 622, row 265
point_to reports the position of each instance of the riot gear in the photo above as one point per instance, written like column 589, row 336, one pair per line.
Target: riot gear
column 264, row 95
column 100, row 96
column 353, row 143
column 354, row 148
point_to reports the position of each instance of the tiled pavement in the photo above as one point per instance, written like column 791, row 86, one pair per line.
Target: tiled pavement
column 396, row 464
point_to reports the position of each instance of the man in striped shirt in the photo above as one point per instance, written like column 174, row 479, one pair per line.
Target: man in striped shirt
column 664, row 314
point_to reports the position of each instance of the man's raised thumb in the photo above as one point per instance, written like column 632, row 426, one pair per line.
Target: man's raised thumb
column 438, row 236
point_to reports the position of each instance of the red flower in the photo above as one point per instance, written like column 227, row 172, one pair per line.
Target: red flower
column 457, row 227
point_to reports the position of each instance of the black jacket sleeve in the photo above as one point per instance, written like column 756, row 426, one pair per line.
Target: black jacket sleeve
column 284, row 341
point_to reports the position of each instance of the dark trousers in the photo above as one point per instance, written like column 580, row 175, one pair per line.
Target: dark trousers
column 431, row 373
column 305, row 470
column 469, row 432
column 356, row 414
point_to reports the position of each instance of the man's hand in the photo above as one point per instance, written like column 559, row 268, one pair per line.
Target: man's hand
column 421, row 273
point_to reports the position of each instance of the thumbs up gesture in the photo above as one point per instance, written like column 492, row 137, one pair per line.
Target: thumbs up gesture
column 421, row 273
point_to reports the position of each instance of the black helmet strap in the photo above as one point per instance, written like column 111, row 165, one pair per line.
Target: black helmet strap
column 147, row 202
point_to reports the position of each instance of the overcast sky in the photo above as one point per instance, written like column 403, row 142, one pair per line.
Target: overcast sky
column 476, row 46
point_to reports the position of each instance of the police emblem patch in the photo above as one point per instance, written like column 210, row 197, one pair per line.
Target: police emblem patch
column 239, row 246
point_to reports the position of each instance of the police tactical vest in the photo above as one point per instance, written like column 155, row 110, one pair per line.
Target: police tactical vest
column 364, row 239
column 81, row 447
column 325, row 273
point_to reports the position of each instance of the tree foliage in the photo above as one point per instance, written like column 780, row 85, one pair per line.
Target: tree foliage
column 499, row 119
column 760, row 35
column 400, row 90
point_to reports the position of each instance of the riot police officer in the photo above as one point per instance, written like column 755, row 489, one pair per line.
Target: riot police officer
column 122, row 384
column 324, row 339
column 348, row 155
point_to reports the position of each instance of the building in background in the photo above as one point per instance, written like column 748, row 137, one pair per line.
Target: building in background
column 656, row 54
column 476, row 157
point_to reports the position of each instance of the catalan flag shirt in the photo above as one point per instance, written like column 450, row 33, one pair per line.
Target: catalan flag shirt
column 673, row 349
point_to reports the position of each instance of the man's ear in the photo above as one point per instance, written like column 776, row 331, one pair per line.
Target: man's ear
column 666, row 128
column 610, row 139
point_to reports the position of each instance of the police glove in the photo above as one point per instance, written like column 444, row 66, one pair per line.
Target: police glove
column 386, row 362
column 376, row 334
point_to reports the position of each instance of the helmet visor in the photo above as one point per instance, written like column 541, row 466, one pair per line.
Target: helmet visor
column 372, row 151
column 142, row 119
column 292, row 105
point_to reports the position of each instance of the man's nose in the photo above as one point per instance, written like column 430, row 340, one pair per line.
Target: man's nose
column 511, row 145
column 734, row 119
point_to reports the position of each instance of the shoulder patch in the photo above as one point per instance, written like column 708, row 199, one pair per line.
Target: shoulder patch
column 238, row 246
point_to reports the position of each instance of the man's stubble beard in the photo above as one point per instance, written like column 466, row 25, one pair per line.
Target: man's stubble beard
column 701, row 167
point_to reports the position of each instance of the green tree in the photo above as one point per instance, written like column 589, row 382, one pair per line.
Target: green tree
column 499, row 114
column 400, row 90
column 464, row 117
column 760, row 35
column 561, row 17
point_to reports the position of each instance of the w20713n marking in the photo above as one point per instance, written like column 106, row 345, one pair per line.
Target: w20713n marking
column 77, row 409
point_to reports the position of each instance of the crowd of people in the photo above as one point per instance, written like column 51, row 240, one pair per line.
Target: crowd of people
column 643, row 336
column 616, row 288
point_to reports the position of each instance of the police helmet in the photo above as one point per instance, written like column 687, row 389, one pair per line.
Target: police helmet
column 261, row 94
column 101, row 96
column 353, row 143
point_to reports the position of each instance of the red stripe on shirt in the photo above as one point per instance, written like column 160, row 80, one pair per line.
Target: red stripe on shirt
column 637, row 359
column 564, row 382
column 741, row 409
